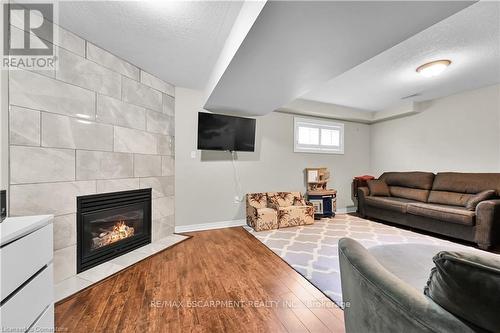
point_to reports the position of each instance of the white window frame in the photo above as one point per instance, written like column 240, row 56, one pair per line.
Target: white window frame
column 320, row 124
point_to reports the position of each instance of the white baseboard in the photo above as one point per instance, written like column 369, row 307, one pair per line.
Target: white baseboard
column 210, row 226
column 350, row 209
column 235, row 223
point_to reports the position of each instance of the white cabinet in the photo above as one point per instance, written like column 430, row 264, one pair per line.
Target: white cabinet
column 26, row 277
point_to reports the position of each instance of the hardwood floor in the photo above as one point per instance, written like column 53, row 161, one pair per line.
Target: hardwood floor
column 172, row 291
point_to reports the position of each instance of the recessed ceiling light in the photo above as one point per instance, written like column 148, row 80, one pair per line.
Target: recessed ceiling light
column 433, row 68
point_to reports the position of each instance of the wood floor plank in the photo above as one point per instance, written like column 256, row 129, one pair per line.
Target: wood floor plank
column 226, row 265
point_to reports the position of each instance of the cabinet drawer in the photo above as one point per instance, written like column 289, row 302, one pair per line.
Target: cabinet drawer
column 46, row 321
column 28, row 303
column 24, row 257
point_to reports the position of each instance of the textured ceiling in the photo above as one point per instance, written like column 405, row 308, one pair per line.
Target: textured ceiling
column 295, row 46
column 178, row 41
column 470, row 38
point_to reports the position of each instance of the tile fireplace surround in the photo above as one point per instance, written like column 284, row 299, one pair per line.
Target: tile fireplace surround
column 96, row 124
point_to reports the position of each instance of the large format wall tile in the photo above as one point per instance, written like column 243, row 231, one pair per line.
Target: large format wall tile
column 70, row 41
column 114, row 111
column 64, row 231
column 85, row 73
column 166, row 145
column 140, row 94
column 111, row 61
column 85, row 121
column 65, row 132
column 134, row 141
column 163, row 207
column 103, row 165
column 38, row 92
column 157, row 83
column 162, row 186
column 48, row 198
column 115, row 185
column 18, row 34
column 64, row 263
column 60, row 37
column 163, row 227
column 24, row 126
column 157, row 122
column 168, row 105
column 39, row 165
column 147, row 165
column 167, row 166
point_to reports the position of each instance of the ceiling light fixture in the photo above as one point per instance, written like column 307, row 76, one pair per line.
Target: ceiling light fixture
column 433, row 68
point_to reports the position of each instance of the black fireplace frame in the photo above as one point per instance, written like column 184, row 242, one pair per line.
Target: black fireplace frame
column 90, row 204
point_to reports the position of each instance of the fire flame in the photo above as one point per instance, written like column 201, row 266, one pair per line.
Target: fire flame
column 121, row 231
column 118, row 232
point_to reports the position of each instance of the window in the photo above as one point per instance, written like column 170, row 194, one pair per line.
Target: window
column 318, row 136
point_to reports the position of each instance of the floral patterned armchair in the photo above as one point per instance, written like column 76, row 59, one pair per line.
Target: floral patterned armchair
column 273, row 210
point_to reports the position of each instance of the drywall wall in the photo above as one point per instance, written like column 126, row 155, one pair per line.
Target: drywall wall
column 456, row 133
column 206, row 185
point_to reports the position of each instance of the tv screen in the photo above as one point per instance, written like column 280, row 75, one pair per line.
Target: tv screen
column 220, row 132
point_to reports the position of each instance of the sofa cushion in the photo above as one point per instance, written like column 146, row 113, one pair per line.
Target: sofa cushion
column 471, row 183
column 449, row 198
column 298, row 199
column 409, row 193
column 266, row 219
column 414, row 179
column 389, row 203
column 257, row 200
column 378, row 188
column 481, row 196
column 282, row 199
column 295, row 215
column 468, row 286
column 453, row 214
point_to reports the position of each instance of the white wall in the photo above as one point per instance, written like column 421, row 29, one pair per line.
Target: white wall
column 455, row 133
column 206, row 187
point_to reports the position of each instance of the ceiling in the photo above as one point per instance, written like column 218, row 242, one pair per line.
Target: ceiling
column 178, row 41
column 295, row 46
column 470, row 38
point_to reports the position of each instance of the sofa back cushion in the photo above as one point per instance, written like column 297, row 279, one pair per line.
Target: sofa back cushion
column 378, row 188
column 284, row 199
column 257, row 200
column 470, row 183
column 409, row 193
column 467, row 285
column 449, row 198
column 413, row 179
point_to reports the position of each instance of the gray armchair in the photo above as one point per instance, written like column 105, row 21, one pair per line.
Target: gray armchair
column 376, row 300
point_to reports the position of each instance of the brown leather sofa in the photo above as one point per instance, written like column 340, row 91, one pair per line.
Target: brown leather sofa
column 437, row 203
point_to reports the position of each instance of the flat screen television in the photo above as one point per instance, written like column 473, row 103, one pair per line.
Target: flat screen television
column 221, row 132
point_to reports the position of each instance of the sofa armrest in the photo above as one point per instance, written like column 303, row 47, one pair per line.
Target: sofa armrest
column 487, row 223
column 363, row 192
column 251, row 215
column 375, row 300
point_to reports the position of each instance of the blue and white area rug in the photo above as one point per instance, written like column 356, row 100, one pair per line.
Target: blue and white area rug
column 312, row 250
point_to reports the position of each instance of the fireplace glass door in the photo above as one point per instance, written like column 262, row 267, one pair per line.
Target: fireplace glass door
column 112, row 224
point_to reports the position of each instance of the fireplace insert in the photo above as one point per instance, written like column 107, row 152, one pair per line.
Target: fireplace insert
column 111, row 224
